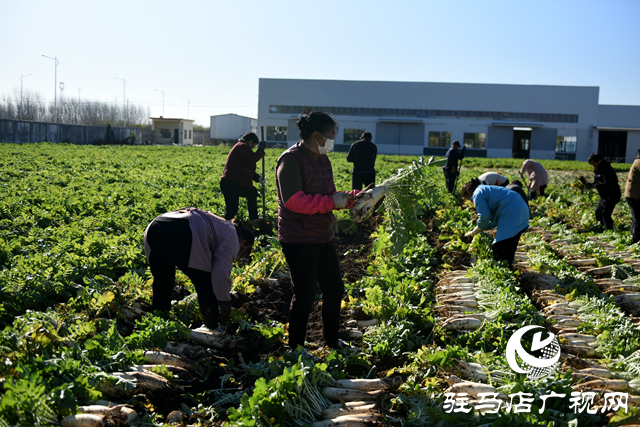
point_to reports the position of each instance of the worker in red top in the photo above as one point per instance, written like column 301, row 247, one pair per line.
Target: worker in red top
column 239, row 171
column 307, row 197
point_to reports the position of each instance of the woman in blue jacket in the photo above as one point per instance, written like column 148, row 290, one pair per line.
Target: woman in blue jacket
column 499, row 208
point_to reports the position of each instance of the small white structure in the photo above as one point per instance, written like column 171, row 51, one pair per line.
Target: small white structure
column 172, row 131
column 231, row 126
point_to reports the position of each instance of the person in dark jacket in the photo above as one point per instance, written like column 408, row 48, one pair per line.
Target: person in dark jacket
column 307, row 197
column 605, row 181
column 450, row 169
column 363, row 156
column 632, row 195
column 239, row 171
column 517, row 187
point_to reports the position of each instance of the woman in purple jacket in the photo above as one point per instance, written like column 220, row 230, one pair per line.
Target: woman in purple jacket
column 306, row 198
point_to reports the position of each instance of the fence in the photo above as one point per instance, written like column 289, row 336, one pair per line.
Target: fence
column 20, row 131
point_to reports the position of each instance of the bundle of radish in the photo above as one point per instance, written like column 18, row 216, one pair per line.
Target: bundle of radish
column 212, row 338
column 168, row 359
column 131, row 383
column 404, row 195
column 455, row 295
column 99, row 416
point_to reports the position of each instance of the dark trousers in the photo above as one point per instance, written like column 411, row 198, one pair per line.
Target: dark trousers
column 634, row 205
column 534, row 194
column 232, row 193
column 450, row 179
column 358, row 180
column 311, row 264
column 170, row 243
column 605, row 209
column 506, row 249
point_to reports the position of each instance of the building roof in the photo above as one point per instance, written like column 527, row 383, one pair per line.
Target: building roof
column 167, row 119
column 233, row 114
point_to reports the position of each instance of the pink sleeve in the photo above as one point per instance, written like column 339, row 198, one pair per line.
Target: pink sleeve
column 310, row 204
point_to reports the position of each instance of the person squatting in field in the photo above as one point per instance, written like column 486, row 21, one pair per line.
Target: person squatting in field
column 451, row 169
column 499, row 208
column 632, row 195
column 605, row 180
column 362, row 154
column 493, row 178
column 203, row 246
column 306, row 198
column 538, row 177
column 239, row 171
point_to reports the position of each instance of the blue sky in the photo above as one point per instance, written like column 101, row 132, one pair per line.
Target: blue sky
column 212, row 53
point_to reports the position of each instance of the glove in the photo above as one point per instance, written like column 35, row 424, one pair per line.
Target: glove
column 262, row 144
column 262, row 181
column 368, row 200
column 341, row 200
column 473, row 232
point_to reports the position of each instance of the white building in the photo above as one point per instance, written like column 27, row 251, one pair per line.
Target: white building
column 492, row 120
column 172, row 131
column 231, row 126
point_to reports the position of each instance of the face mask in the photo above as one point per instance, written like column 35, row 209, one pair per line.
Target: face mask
column 328, row 145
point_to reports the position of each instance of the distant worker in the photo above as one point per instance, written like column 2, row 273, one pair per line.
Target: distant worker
column 499, row 208
column 203, row 246
column 239, row 171
column 605, row 180
column 632, row 194
column 493, row 178
column 517, row 187
column 451, row 170
column 362, row 154
column 538, row 178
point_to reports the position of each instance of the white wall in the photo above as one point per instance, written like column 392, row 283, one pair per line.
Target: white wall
column 231, row 126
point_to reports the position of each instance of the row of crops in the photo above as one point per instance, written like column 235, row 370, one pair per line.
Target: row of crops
column 431, row 321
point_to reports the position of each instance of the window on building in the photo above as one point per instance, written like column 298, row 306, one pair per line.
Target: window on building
column 439, row 139
column 566, row 144
column 164, row 133
column 276, row 133
column 185, row 134
column 189, row 133
column 475, row 140
column 352, row 135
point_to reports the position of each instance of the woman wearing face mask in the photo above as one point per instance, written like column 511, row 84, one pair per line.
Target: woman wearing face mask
column 306, row 198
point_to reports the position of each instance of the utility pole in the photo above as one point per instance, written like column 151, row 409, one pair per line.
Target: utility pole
column 55, row 88
column 124, row 100
column 188, row 102
column 162, row 91
column 21, row 77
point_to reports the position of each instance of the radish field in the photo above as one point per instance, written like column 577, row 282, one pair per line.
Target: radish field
column 430, row 317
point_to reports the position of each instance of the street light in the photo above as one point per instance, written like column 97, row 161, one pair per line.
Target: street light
column 188, row 102
column 78, row 110
column 55, row 89
column 21, row 77
column 162, row 100
column 124, row 100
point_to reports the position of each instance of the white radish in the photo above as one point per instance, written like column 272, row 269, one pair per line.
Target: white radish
column 582, row 262
column 594, row 372
column 145, row 382
column 338, row 410
column 583, row 337
column 570, row 323
column 367, row 323
column 83, row 420
column 355, row 420
column 471, row 388
column 129, row 413
column 163, row 358
column 566, row 311
column 605, row 384
column 628, row 297
column 462, row 324
column 600, row 271
column 370, row 384
column 353, row 333
column 335, row 394
column 212, row 339
column 583, row 351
